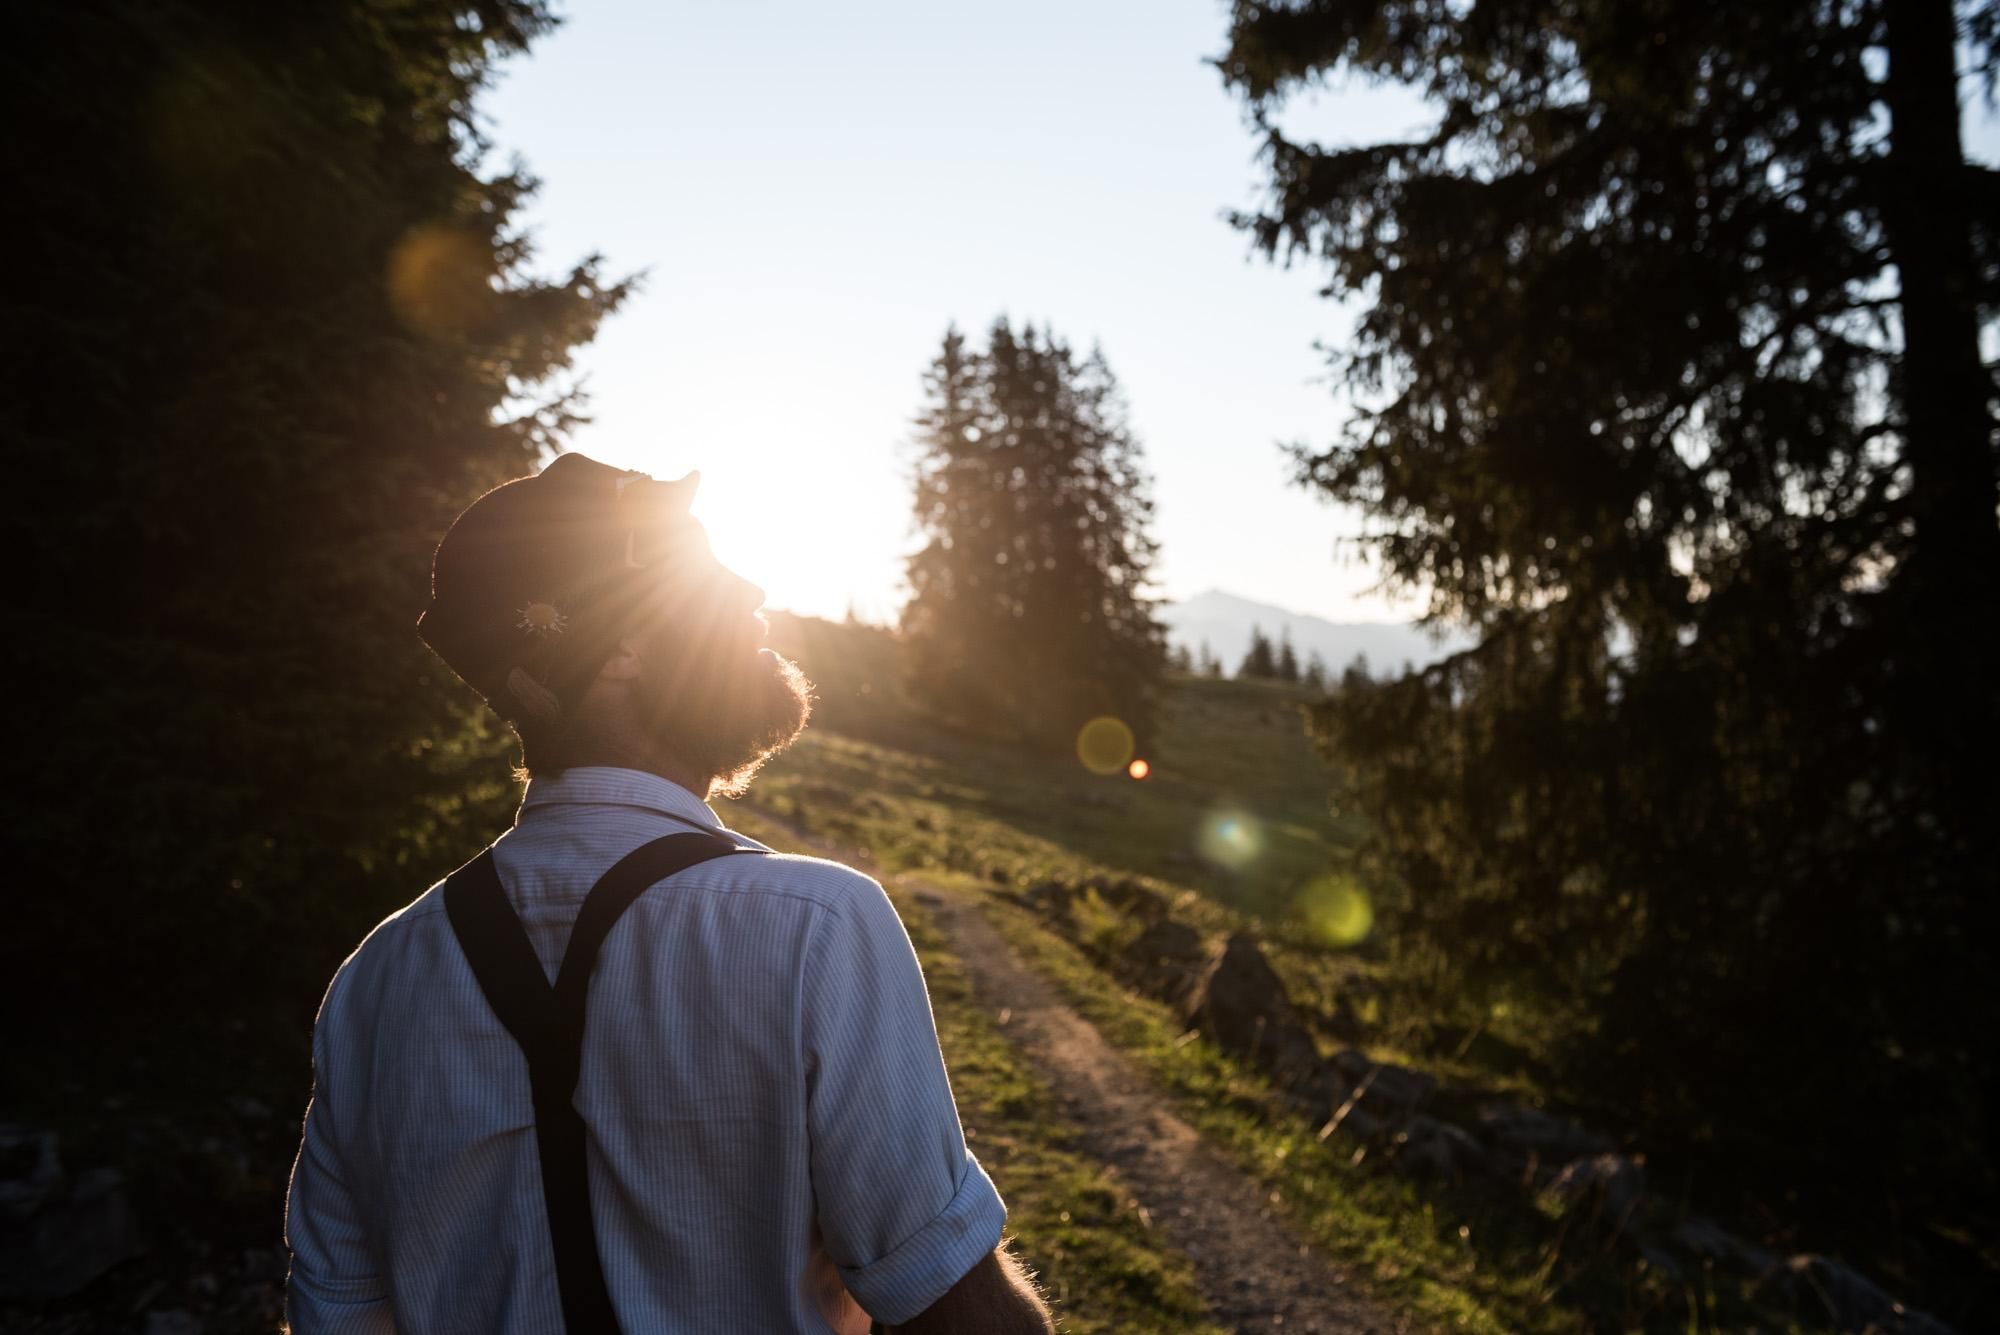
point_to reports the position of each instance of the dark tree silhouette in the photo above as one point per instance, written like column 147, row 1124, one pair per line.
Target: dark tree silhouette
column 1260, row 660
column 1315, row 675
column 1287, row 666
column 1029, row 607
column 1670, row 387
column 284, row 324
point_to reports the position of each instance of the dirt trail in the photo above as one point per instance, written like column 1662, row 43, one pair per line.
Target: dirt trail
column 1255, row 1274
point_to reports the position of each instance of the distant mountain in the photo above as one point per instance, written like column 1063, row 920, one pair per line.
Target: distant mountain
column 1225, row 620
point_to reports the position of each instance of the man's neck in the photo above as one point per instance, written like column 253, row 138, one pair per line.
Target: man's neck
column 647, row 760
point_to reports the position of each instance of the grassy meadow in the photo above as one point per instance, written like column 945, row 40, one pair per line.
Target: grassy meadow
column 897, row 795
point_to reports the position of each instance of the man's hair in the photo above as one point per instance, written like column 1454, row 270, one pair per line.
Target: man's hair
column 724, row 721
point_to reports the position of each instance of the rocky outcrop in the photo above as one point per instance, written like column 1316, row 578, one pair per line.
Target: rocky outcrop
column 1602, row 1192
column 1241, row 1004
column 1535, row 1145
column 1389, row 1092
column 1437, row 1149
column 1847, row 1300
column 1051, row 899
column 1236, row 998
column 1166, row 960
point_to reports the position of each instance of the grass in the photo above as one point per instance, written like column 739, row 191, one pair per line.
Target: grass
column 1413, row 1255
column 1103, row 1267
column 905, row 797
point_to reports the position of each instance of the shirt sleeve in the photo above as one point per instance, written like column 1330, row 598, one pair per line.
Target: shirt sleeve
column 336, row 1286
column 904, row 1209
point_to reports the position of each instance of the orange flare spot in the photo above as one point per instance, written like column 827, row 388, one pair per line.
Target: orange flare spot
column 1138, row 769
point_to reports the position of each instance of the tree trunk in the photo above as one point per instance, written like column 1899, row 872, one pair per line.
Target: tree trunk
column 1945, row 388
column 1949, row 706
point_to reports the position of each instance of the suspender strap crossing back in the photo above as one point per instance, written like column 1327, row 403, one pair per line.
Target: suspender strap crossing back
column 548, row 1024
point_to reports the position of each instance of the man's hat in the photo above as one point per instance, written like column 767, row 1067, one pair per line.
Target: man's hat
column 534, row 584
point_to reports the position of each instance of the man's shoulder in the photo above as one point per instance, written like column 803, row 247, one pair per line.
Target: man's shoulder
column 822, row 881
column 386, row 937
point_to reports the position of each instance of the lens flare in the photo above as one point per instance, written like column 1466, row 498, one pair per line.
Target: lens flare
column 440, row 280
column 1104, row 745
column 1337, row 910
column 1138, row 769
column 1231, row 838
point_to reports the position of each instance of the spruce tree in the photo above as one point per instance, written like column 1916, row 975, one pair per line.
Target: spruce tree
column 1316, row 672
column 1030, row 608
column 1260, row 660
column 1668, row 385
column 1287, row 666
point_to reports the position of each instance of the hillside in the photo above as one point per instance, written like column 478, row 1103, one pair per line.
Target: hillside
column 1436, row 1163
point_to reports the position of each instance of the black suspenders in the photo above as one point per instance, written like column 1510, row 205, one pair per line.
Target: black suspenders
column 548, row 1024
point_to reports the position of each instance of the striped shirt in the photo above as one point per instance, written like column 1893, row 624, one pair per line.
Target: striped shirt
column 772, row 1137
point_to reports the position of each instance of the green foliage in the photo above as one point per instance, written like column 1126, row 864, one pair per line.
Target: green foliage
column 1029, row 611
column 284, row 325
column 1668, row 383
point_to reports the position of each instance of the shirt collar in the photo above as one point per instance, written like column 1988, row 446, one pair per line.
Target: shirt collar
column 604, row 785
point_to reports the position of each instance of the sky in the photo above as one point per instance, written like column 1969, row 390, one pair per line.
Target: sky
column 815, row 192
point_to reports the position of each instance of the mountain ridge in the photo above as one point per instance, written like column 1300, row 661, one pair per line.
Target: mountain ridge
column 1224, row 621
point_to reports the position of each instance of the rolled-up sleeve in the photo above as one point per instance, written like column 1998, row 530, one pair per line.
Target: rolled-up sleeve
column 336, row 1286
column 904, row 1209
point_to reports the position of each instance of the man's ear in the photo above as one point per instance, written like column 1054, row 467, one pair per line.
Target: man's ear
column 622, row 665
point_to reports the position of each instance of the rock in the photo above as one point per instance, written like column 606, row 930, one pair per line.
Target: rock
column 70, row 1240
column 1133, row 898
column 1849, row 1301
column 1166, row 960
column 30, row 1171
column 1706, row 1240
column 1532, row 1141
column 1049, row 898
column 1604, row 1189
column 1356, row 1122
column 1241, row 1004
column 1387, row 1090
column 1438, row 1149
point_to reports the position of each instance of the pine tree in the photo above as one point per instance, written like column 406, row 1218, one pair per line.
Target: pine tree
column 1670, row 387
column 1260, row 660
column 1316, row 673
column 1287, row 666
column 1208, row 663
column 1029, row 606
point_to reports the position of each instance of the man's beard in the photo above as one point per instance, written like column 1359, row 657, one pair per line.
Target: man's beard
column 725, row 715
